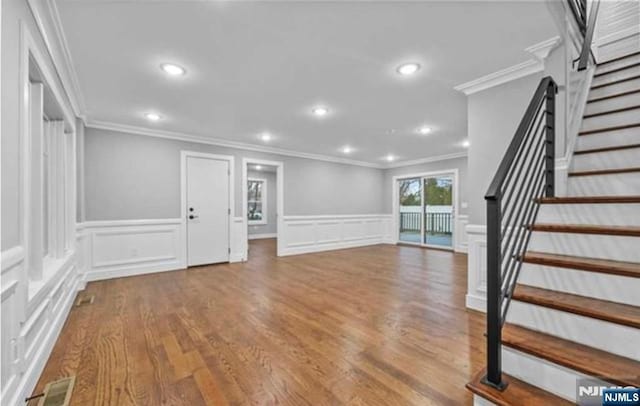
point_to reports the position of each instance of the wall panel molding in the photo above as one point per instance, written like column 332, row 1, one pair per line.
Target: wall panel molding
column 477, row 267
column 305, row 234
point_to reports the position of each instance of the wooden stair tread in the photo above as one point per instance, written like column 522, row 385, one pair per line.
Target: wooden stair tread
column 606, row 149
column 628, row 231
column 616, row 82
column 630, row 269
column 517, row 392
column 605, row 171
column 606, row 129
column 613, row 96
column 632, row 65
column 589, row 199
column 617, row 313
column 619, row 58
column 604, row 113
column 588, row 360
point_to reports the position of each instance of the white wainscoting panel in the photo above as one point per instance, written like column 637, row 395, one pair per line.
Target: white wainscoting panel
column 30, row 326
column 238, row 240
column 461, row 234
column 477, row 267
column 132, row 247
column 304, row 234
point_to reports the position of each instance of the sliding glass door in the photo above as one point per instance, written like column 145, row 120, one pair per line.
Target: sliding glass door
column 438, row 211
column 426, row 210
column 410, row 191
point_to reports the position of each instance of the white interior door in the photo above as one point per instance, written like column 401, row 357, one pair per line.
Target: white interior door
column 208, row 211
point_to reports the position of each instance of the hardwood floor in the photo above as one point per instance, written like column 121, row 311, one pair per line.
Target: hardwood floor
column 379, row 325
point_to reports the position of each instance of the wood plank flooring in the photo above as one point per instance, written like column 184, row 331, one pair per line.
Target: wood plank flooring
column 379, row 325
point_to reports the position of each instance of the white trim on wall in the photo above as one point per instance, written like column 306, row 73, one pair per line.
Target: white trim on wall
column 477, row 267
column 395, row 208
column 305, row 234
column 279, row 201
column 183, row 193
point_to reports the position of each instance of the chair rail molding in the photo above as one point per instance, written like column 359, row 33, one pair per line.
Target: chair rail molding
column 304, row 234
column 477, row 267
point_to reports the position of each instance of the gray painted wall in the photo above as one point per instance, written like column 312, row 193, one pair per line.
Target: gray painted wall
column 493, row 116
column 13, row 12
column 272, row 221
column 456, row 163
column 131, row 176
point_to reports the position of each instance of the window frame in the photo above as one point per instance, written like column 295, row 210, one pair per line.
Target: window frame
column 263, row 201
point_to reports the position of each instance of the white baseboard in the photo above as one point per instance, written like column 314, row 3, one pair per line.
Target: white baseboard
column 476, row 302
column 306, row 234
column 262, row 236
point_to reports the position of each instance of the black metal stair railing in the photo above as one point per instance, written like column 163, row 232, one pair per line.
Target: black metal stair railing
column 586, row 22
column 526, row 173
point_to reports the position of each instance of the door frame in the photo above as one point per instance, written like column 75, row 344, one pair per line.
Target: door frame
column 184, row 154
column 279, row 202
column 395, row 195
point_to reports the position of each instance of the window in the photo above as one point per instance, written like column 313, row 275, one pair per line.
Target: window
column 257, row 201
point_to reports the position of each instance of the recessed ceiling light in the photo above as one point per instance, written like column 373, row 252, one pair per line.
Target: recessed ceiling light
column 320, row 111
column 425, row 130
column 172, row 69
column 258, row 167
column 153, row 116
column 390, row 158
column 347, row 149
column 466, row 143
column 407, row 69
column 266, row 137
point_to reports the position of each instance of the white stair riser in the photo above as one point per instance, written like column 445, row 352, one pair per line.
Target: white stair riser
column 618, row 64
column 611, row 247
column 624, row 158
column 610, row 337
column 612, row 104
column 595, row 214
column 614, row 89
column 545, row 375
column 611, row 120
column 480, row 401
column 609, row 139
column 614, row 288
column 619, row 184
column 615, row 76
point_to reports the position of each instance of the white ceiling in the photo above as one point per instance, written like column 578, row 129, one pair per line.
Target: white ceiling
column 261, row 66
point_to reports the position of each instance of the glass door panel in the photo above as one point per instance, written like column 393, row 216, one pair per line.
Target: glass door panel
column 438, row 211
column 410, row 221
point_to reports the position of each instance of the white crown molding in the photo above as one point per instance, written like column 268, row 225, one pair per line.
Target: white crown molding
column 542, row 49
column 427, row 160
column 514, row 72
column 49, row 24
column 540, row 52
column 222, row 143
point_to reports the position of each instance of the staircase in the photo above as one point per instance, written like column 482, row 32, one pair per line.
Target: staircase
column 575, row 311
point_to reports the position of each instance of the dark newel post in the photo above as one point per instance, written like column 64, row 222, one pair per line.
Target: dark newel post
column 494, row 295
column 550, row 152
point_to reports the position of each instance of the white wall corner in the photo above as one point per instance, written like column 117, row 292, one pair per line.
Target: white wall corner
column 461, row 233
column 477, row 267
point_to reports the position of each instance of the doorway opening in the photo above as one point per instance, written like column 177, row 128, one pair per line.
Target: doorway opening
column 262, row 206
column 425, row 207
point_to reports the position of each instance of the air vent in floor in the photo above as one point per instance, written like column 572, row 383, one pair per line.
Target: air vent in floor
column 84, row 300
column 57, row 393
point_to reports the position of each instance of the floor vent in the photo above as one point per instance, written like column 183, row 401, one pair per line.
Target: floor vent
column 85, row 300
column 57, row 393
